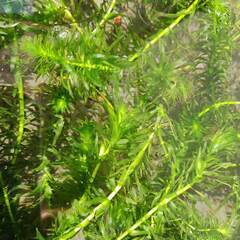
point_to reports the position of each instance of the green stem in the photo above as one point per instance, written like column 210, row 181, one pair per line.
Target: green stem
column 108, row 13
column 58, row 129
column 165, row 31
column 6, row 199
column 90, row 66
column 68, row 15
column 72, row 3
column 170, row 15
column 217, row 105
column 44, row 53
column 19, row 81
column 162, row 203
column 97, row 211
column 91, row 180
column 103, row 153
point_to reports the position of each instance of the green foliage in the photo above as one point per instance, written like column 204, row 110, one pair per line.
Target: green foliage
column 119, row 128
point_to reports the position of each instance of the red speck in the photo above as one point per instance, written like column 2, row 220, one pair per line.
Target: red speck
column 117, row 20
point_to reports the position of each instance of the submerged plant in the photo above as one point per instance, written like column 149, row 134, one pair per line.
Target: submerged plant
column 117, row 120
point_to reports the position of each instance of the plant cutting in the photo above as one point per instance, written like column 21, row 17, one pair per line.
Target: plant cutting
column 119, row 120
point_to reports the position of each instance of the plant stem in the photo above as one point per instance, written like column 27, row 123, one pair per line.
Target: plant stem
column 19, row 81
column 6, row 199
column 68, row 15
column 106, row 16
column 102, row 154
column 170, row 15
column 44, row 53
column 166, row 30
column 58, row 129
column 97, row 211
column 91, row 180
column 217, row 105
column 162, row 203
column 108, row 13
column 72, row 4
column 90, row 66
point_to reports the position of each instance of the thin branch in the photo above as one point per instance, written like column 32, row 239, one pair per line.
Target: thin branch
column 97, row 211
column 6, row 199
column 165, row 31
column 103, row 153
column 58, row 127
column 68, row 15
column 108, row 13
column 19, row 82
column 162, row 203
column 51, row 55
column 217, row 105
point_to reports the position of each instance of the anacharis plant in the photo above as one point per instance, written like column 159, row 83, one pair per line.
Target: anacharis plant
column 120, row 184
column 119, row 119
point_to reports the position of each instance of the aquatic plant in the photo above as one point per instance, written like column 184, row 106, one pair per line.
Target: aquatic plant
column 118, row 121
